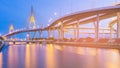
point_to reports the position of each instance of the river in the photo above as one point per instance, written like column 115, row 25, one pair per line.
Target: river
column 57, row 56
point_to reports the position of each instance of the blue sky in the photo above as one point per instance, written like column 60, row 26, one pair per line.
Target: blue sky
column 17, row 12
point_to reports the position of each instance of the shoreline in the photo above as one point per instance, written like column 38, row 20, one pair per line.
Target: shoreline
column 92, row 45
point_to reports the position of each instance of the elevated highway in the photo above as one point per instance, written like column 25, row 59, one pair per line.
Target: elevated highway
column 87, row 16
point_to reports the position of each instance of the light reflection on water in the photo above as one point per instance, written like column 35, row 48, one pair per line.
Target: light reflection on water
column 50, row 56
column 27, row 57
column 56, row 56
column 0, row 60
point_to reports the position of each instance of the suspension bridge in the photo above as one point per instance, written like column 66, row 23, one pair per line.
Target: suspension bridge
column 73, row 22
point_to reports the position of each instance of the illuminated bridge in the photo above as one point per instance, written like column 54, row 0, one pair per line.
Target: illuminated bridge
column 73, row 21
column 75, row 40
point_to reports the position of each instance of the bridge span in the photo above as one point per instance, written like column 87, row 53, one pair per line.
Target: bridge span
column 74, row 20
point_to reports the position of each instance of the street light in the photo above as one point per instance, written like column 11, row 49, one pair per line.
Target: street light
column 59, row 23
column 114, row 18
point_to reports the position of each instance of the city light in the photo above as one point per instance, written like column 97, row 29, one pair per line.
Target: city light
column 59, row 23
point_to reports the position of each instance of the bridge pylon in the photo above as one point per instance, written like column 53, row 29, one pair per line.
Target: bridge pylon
column 32, row 25
column 11, row 29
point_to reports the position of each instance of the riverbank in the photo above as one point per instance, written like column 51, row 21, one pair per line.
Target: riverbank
column 93, row 45
column 78, row 44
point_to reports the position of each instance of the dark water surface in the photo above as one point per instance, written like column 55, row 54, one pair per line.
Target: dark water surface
column 54, row 56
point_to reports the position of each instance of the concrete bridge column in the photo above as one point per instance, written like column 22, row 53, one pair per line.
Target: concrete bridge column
column 103, row 35
column 111, row 32
column 118, row 25
column 75, row 32
column 59, row 34
column 53, row 33
column 49, row 32
column 77, row 29
column 96, row 25
column 62, row 31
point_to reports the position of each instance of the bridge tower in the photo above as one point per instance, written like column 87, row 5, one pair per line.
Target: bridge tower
column 11, row 29
column 32, row 24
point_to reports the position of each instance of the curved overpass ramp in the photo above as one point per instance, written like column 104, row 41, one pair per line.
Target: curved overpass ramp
column 87, row 16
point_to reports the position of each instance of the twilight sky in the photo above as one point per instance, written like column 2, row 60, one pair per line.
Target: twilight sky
column 17, row 12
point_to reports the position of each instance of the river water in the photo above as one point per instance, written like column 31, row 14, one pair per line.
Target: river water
column 58, row 56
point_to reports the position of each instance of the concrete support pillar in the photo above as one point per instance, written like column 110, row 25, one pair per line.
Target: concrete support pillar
column 48, row 33
column 96, row 25
column 111, row 32
column 53, row 33
column 77, row 29
column 118, row 25
column 59, row 34
column 75, row 32
column 62, row 31
column 103, row 35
